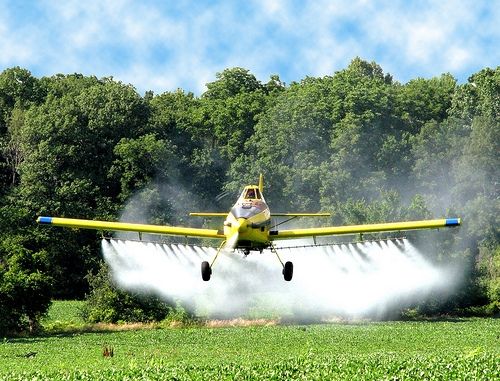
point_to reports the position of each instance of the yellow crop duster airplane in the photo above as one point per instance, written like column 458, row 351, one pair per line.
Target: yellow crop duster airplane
column 248, row 227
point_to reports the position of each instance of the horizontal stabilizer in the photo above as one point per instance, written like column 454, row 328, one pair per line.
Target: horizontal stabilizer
column 208, row 214
column 300, row 214
column 216, row 214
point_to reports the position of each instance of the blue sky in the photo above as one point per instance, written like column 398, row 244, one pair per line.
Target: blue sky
column 164, row 45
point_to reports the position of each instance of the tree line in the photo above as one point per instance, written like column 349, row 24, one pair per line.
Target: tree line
column 357, row 143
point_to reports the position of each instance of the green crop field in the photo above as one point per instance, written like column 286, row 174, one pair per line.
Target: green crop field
column 464, row 349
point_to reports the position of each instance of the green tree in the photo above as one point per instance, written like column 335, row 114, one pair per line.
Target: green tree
column 365, row 129
column 456, row 167
column 435, row 150
column 479, row 96
column 422, row 100
column 25, row 286
column 232, row 82
column 11, row 148
column 229, row 109
column 175, row 118
column 69, row 143
column 489, row 267
column 290, row 140
column 477, row 172
column 17, row 85
column 18, row 91
column 106, row 303
column 141, row 161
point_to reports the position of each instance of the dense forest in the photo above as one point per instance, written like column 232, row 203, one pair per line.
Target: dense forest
column 357, row 143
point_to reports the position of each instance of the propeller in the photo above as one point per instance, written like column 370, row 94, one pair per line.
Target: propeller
column 231, row 242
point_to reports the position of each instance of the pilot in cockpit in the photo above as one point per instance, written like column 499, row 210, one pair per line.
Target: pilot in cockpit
column 250, row 194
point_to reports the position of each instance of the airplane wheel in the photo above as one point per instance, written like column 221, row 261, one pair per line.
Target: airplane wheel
column 206, row 271
column 288, row 271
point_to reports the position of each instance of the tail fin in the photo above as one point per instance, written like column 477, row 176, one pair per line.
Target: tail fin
column 261, row 183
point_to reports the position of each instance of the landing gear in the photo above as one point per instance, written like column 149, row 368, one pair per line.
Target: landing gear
column 206, row 271
column 206, row 268
column 288, row 271
column 287, row 267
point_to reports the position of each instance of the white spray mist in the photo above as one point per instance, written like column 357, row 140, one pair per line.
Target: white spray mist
column 350, row 280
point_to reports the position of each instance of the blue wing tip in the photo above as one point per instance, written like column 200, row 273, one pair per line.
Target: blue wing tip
column 452, row 222
column 44, row 220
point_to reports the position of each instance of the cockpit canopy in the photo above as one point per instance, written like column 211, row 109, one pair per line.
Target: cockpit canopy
column 250, row 203
column 251, row 193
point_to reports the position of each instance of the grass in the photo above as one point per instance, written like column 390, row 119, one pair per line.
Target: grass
column 64, row 315
column 464, row 349
column 65, row 311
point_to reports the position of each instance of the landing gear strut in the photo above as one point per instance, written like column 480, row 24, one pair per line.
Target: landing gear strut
column 287, row 267
column 206, row 268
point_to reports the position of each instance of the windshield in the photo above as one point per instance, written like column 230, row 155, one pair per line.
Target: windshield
column 248, row 209
column 252, row 194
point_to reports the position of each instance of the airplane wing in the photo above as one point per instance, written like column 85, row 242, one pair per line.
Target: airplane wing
column 125, row 226
column 368, row 228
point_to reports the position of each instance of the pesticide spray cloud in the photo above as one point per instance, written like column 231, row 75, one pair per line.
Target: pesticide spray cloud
column 354, row 280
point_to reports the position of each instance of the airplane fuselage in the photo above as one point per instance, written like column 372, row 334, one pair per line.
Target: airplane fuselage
column 249, row 221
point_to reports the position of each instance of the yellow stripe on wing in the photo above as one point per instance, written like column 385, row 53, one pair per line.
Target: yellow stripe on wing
column 125, row 226
column 369, row 228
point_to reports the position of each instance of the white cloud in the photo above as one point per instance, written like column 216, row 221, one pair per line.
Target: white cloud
column 422, row 41
column 15, row 48
column 458, row 57
column 277, row 12
column 162, row 46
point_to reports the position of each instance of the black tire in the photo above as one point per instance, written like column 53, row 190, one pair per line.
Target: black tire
column 206, row 271
column 288, row 271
